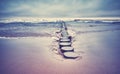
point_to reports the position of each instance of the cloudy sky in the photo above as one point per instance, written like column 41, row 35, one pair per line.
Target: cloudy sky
column 60, row 8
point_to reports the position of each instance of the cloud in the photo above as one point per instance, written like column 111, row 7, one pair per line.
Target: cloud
column 59, row 8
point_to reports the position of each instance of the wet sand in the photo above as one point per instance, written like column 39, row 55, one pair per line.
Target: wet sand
column 99, row 53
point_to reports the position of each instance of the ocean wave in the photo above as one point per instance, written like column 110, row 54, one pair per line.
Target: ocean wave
column 99, row 21
column 15, row 35
column 30, row 37
column 27, row 35
column 96, row 31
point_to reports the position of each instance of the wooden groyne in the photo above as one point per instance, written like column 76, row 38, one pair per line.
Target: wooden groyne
column 65, row 43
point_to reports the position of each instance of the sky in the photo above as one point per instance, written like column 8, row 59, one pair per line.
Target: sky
column 59, row 8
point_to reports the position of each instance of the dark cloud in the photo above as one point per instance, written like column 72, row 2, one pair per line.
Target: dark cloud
column 110, row 5
column 60, row 8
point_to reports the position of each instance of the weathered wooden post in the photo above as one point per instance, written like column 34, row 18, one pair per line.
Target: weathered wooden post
column 65, row 43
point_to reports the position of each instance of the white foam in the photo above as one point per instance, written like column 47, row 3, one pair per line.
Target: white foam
column 19, row 37
column 38, row 19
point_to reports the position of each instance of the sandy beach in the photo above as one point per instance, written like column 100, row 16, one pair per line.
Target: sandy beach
column 98, row 50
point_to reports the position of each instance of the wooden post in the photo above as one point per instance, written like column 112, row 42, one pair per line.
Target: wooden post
column 65, row 43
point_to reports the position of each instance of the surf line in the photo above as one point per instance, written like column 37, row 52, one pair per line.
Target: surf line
column 65, row 43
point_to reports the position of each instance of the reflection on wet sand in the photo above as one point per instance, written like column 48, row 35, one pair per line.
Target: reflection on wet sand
column 99, row 51
column 33, row 55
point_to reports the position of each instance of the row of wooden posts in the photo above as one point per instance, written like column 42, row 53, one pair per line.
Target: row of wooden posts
column 65, row 43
